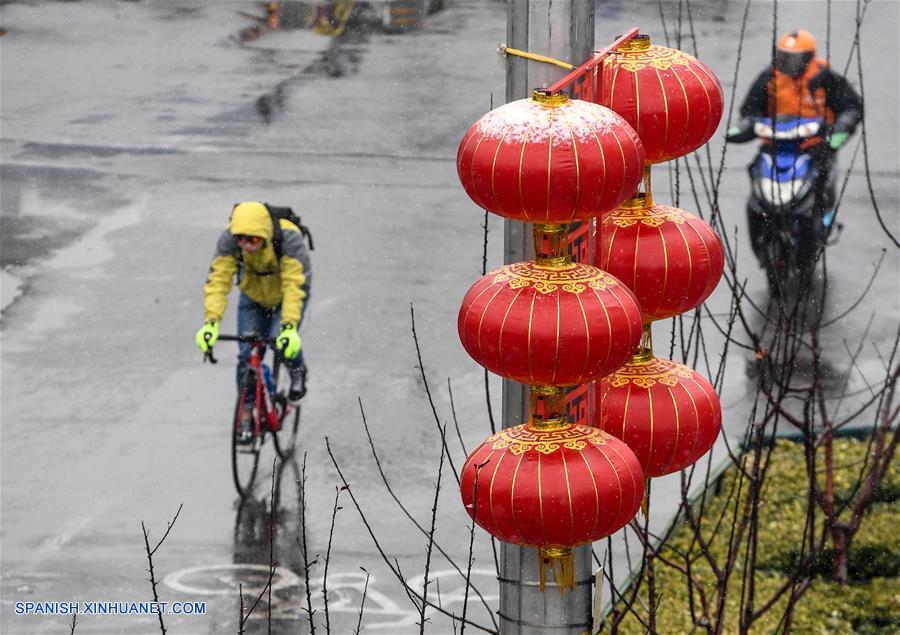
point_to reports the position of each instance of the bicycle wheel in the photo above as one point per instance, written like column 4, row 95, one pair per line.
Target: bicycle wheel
column 289, row 421
column 244, row 456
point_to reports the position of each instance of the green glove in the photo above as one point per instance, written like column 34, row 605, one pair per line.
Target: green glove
column 837, row 139
column 207, row 336
column 288, row 341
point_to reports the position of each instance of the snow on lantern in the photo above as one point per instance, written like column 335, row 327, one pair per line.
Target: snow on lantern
column 549, row 159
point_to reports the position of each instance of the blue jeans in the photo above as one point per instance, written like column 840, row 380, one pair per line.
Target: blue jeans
column 253, row 318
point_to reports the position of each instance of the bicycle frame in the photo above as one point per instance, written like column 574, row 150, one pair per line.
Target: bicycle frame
column 272, row 412
column 262, row 390
column 267, row 412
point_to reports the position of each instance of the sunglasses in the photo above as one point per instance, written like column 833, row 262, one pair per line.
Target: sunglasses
column 251, row 240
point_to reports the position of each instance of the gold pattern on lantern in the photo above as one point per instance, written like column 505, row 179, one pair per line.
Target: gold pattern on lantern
column 658, row 57
column 651, row 217
column 545, row 280
column 647, row 375
column 521, row 439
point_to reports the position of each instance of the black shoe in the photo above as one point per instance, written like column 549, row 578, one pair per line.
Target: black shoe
column 298, row 384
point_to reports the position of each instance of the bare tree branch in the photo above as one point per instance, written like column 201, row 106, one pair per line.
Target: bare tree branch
column 150, row 554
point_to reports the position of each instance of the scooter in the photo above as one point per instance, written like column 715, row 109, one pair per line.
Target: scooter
column 791, row 207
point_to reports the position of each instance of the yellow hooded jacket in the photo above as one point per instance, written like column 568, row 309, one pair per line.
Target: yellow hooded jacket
column 264, row 278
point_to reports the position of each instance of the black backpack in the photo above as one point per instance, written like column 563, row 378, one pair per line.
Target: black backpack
column 277, row 213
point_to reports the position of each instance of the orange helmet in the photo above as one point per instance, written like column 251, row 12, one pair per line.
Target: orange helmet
column 796, row 49
column 798, row 41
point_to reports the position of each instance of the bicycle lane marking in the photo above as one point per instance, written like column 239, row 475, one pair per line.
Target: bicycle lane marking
column 345, row 591
column 227, row 576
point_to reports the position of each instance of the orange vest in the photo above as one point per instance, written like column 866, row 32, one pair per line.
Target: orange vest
column 793, row 96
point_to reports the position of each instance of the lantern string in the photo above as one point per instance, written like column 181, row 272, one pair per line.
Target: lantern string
column 644, row 352
column 551, row 245
column 643, row 196
column 648, row 190
column 645, row 504
column 548, row 408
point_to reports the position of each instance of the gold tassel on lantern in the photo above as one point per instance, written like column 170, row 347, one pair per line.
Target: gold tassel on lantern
column 561, row 561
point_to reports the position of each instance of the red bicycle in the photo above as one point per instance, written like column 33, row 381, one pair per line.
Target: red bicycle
column 271, row 413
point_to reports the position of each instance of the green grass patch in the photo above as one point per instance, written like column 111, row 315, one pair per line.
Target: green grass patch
column 869, row 603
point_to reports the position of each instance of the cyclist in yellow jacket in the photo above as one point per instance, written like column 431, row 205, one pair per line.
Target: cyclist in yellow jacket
column 272, row 269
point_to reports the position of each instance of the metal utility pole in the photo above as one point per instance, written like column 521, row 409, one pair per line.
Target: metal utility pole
column 564, row 30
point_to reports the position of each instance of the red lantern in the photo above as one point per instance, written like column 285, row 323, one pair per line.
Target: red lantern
column 550, row 160
column 550, row 325
column 552, row 488
column 673, row 101
column 670, row 259
column 668, row 414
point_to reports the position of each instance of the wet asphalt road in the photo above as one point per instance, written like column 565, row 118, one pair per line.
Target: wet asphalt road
column 129, row 131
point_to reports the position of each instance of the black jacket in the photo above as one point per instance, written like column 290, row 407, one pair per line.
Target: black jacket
column 840, row 97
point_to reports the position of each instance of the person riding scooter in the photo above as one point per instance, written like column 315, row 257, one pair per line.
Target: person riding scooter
column 799, row 86
column 802, row 85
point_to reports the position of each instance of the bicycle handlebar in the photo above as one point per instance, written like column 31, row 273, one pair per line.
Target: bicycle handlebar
column 247, row 339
